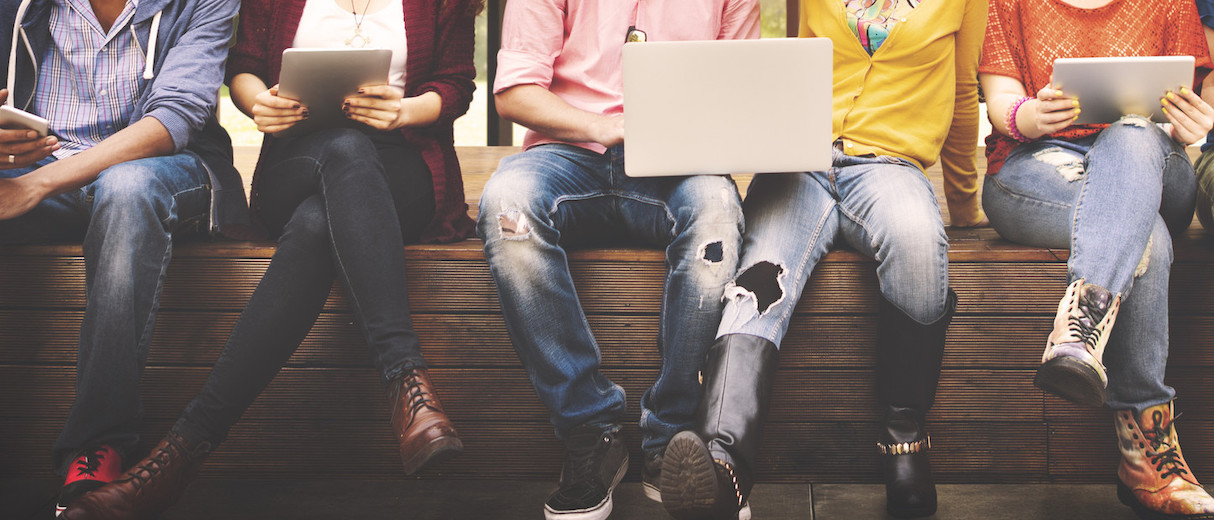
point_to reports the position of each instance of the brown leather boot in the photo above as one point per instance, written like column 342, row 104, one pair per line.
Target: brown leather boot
column 1154, row 479
column 148, row 488
column 422, row 428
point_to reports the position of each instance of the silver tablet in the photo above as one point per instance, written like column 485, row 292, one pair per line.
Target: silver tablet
column 321, row 79
column 1109, row 88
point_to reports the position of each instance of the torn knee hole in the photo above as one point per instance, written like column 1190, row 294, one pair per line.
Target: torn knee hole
column 1067, row 165
column 512, row 224
column 763, row 281
column 1136, row 120
column 713, row 252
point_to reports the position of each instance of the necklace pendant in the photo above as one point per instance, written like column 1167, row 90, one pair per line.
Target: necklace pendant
column 358, row 40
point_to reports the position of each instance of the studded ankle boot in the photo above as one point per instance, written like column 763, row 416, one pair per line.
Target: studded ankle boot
column 908, row 367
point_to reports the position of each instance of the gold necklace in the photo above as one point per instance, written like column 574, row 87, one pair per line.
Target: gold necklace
column 359, row 40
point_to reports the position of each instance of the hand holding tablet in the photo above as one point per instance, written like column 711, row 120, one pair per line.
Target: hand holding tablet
column 322, row 79
column 1109, row 88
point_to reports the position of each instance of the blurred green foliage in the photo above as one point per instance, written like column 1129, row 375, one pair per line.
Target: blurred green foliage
column 773, row 17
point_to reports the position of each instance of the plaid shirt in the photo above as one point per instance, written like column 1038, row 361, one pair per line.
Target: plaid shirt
column 90, row 80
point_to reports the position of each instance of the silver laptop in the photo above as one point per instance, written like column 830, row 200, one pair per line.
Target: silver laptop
column 1109, row 88
column 731, row 106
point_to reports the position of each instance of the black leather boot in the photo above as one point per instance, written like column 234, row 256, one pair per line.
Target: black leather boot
column 708, row 474
column 908, row 367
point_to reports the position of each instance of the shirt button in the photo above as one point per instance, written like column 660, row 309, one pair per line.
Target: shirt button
column 102, row 93
column 848, row 145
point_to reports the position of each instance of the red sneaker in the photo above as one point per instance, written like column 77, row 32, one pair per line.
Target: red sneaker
column 94, row 468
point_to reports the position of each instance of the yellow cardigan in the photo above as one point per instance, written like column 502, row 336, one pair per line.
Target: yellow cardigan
column 920, row 85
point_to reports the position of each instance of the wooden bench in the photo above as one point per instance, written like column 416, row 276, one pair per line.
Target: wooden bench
column 326, row 414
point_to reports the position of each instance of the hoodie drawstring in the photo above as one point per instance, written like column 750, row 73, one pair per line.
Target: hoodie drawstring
column 151, row 56
column 12, row 53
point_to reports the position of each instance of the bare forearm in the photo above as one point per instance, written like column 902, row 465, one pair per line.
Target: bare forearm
column 146, row 138
column 542, row 111
column 244, row 90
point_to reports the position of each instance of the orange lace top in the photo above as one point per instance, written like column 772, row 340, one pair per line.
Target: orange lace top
column 1023, row 37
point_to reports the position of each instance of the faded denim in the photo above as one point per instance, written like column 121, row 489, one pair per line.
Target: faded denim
column 127, row 219
column 1112, row 199
column 556, row 195
column 882, row 206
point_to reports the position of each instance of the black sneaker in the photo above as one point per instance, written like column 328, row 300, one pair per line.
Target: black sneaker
column 90, row 470
column 595, row 461
column 651, row 476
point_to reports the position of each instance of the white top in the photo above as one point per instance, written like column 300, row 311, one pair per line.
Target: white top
column 325, row 25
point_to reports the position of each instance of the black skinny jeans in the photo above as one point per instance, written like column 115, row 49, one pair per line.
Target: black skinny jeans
column 340, row 202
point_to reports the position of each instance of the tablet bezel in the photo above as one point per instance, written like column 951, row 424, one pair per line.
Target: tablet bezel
column 1112, row 87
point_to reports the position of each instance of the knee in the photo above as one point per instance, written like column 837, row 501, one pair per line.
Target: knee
column 913, row 270
column 131, row 193
column 308, row 220
column 345, row 144
column 510, row 208
column 1139, row 137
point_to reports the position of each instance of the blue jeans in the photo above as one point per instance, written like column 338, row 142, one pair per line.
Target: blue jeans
column 341, row 202
column 127, row 219
column 883, row 206
column 555, row 195
column 1112, row 199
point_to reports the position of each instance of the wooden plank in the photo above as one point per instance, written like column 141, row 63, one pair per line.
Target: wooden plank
column 49, row 337
column 341, row 394
column 1087, row 452
column 1194, row 398
column 826, row 452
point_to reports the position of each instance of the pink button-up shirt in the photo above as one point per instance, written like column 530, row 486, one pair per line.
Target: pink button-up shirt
column 574, row 48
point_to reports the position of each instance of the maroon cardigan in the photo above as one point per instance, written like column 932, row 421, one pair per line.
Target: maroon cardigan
column 440, row 42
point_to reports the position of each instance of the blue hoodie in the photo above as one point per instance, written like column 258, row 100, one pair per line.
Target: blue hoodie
column 187, row 64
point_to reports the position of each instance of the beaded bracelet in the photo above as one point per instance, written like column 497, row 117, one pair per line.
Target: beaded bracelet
column 1010, row 120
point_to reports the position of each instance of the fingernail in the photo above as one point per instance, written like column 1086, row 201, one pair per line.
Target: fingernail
column 1075, row 102
column 1057, row 92
column 296, row 105
column 1184, row 90
column 31, row 134
column 361, row 91
column 1165, row 110
column 1171, row 95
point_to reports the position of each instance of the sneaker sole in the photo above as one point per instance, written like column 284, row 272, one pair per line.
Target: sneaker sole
column 1072, row 380
column 599, row 512
column 689, row 480
column 440, row 449
column 1126, row 496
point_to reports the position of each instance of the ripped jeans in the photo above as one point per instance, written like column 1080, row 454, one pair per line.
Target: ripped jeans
column 556, row 195
column 882, row 206
column 1112, row 199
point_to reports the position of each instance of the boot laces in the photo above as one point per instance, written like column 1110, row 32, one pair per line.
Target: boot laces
column 89, row 462
column 1169, row 456
column 419, row 398
column 581, row 465
column 1082, row 326
column 151, row 466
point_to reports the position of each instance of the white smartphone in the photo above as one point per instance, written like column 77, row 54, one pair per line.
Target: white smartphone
column 13, row 118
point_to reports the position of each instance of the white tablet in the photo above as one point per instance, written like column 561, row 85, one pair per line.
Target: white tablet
column 1109, row 88
column 321, row 79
